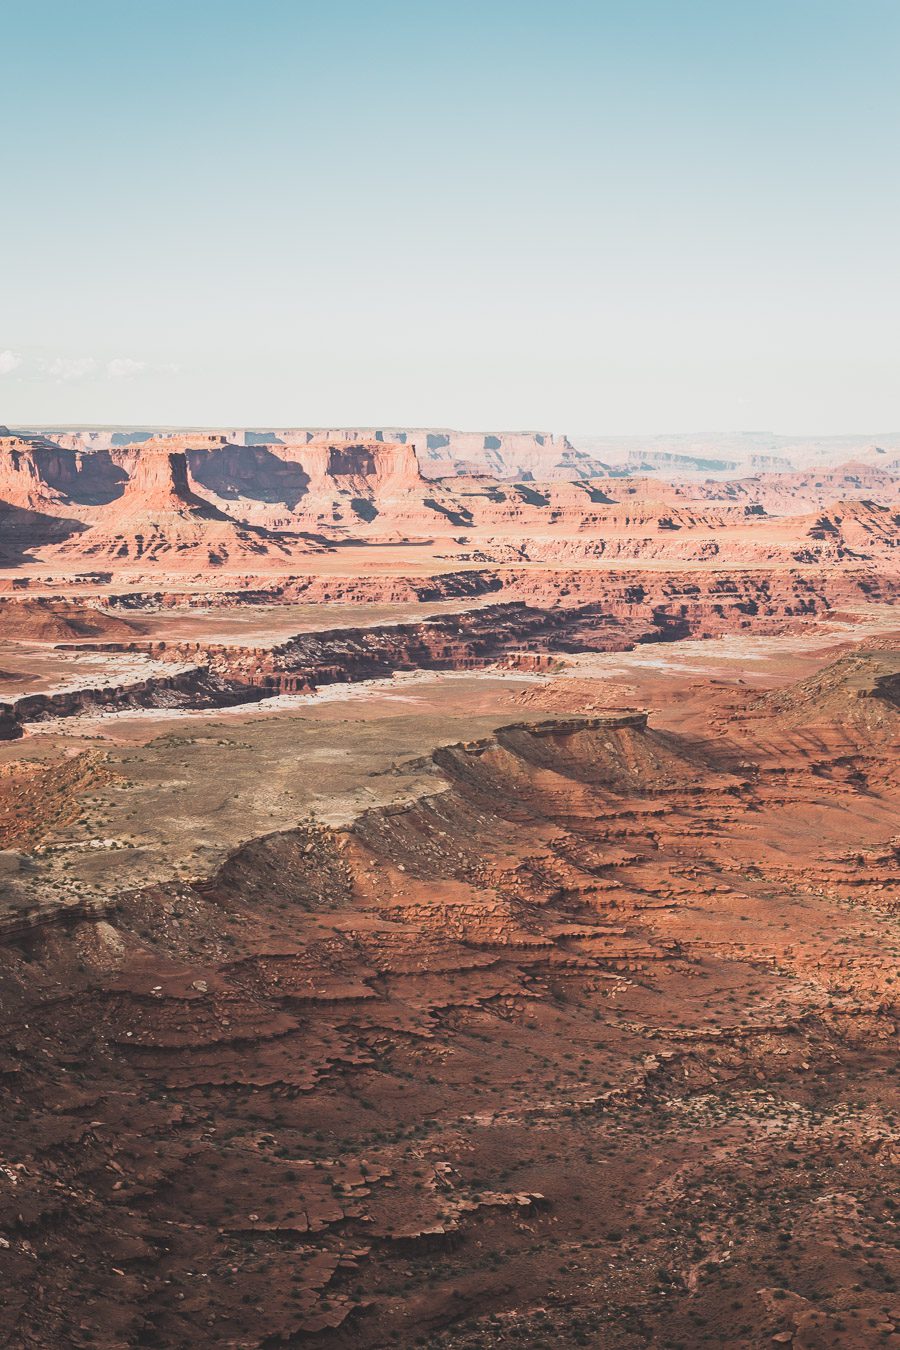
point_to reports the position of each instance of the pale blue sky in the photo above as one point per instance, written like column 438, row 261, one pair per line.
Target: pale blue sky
column 623, row 217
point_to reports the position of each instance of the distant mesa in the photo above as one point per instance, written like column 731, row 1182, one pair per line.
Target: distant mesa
column 211, row 497
column 159, row 482
column 444, row 453
column 160, row 517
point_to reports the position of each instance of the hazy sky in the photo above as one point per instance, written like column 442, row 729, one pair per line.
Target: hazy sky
column 616, row 215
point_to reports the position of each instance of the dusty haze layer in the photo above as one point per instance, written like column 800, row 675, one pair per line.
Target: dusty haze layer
column 449, row 889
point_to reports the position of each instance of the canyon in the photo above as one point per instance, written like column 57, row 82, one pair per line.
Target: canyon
column 449, row 890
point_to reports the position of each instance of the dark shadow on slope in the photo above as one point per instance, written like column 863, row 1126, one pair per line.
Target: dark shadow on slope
column 88, row 478
column 250, row 471
column 22, row 531
column 455, row 517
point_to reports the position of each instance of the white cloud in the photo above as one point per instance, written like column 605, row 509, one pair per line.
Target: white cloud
column 123, row 367
column 71, row 367
column 9, row 361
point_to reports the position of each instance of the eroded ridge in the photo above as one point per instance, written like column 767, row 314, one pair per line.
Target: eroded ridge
column 554, row 613
column 592, row 1042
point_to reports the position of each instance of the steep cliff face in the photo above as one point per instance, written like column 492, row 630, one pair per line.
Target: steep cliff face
column 249, row 477
column 316, row 484
column 304, row 483
column 130, row 457
column 158, row 482
column 22, row 482
column 33, row 512
column 370, row 464
column 37, row 472
column 371, row 470
column 159, row 518
column 67, row 478
column 85, row 479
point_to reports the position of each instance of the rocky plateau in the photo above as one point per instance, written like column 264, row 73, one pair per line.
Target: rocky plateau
column 448, row 891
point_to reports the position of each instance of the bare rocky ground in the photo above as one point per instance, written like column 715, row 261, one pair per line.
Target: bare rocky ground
column 420, row 948
column 583, row 1034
